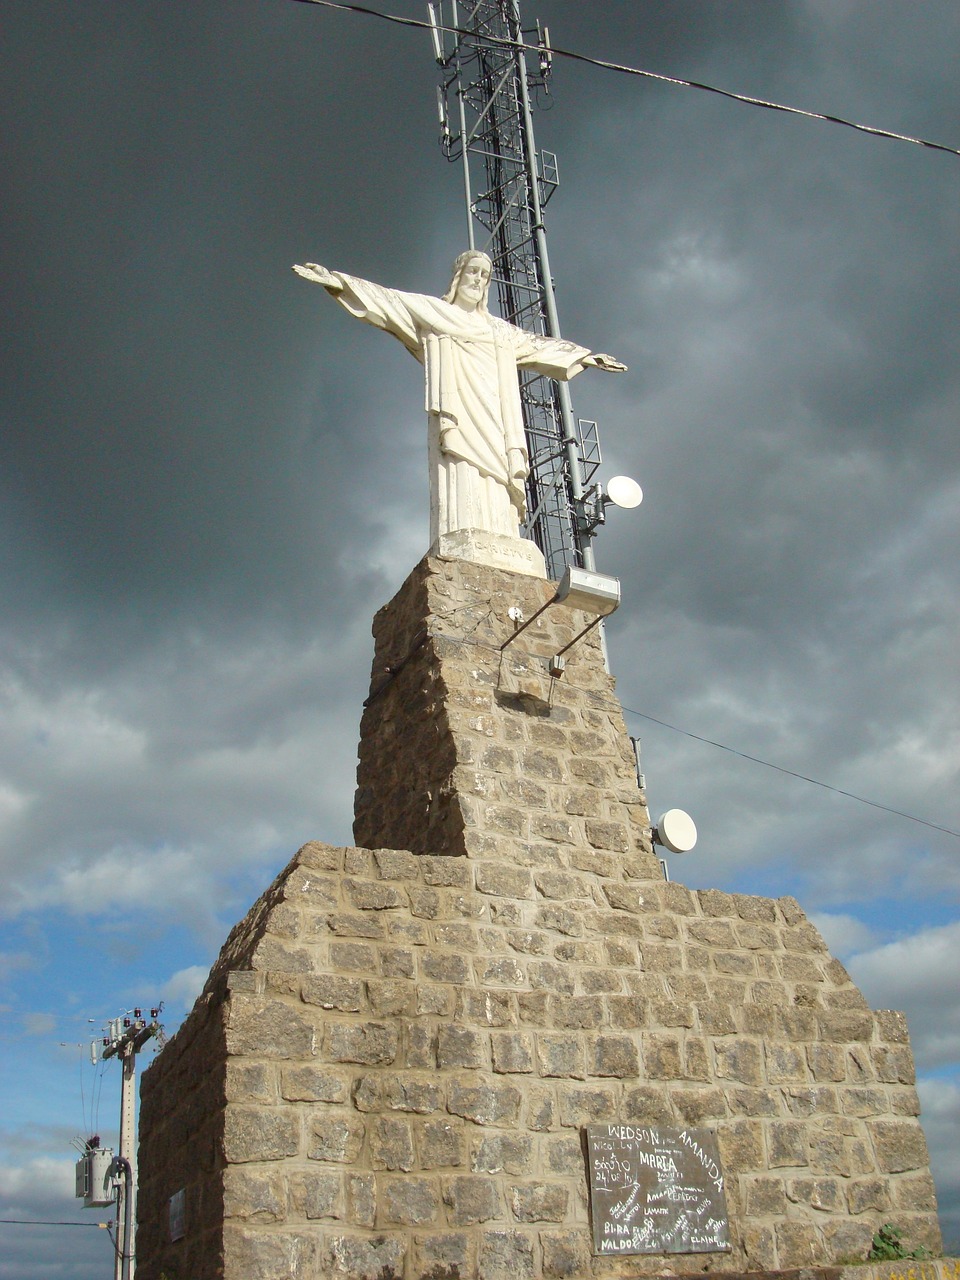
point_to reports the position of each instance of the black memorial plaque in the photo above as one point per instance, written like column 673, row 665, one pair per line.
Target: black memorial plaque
column 656, row 1189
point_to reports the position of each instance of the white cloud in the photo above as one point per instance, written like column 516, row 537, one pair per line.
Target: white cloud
column 918, row 973
column 43, row 1178
column 844, row 934
column 38, row 1190
column 122, row 879
column 39, row 1024
column 12, row 803
column 10, row 961
column 213, row 758
column 940, row 1116
column 182, row 988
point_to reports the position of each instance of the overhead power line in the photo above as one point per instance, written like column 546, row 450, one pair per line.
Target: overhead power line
column 624, row 69
column 791, row 774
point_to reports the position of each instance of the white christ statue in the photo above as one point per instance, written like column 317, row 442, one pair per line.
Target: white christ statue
column 477, row 450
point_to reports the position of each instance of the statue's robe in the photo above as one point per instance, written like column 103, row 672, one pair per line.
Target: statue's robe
column 477, row 450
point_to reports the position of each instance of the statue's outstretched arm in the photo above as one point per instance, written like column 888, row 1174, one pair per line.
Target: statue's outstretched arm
column 320, row 275
column 607, row 363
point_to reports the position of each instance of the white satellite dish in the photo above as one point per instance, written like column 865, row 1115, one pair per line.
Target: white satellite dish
column 676, row 831
column 624, row 492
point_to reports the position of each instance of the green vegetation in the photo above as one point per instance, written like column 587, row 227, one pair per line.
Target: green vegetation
column 888, row 1247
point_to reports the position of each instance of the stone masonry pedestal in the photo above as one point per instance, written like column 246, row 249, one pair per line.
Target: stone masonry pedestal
column 470, row 747
column 389, row 1071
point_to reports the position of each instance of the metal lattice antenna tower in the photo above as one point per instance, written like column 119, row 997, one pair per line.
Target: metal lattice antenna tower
column 485, row 118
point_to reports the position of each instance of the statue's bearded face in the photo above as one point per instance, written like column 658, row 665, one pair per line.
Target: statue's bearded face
column 473, row 283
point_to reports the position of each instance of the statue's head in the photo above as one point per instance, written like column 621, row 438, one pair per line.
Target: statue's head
column 471, row 272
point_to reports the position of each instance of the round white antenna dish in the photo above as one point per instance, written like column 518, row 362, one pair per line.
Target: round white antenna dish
column 624, row 492
column 676, row 831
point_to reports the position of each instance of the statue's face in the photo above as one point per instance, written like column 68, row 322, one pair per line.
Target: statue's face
column 472, row 285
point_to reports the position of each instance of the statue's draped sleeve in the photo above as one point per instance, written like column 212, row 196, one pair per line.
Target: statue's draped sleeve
column 387, row 309
column 552, row 357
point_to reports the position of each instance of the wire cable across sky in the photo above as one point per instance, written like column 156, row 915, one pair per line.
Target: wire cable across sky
column 623, row 69
column 802, row 777
column 746, row 100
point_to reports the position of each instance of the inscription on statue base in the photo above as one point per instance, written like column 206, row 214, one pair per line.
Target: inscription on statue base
column 656, row 1189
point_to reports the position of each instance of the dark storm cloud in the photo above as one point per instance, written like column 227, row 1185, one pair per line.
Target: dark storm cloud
column 164, row 187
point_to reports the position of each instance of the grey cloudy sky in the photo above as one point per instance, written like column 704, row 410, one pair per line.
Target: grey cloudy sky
column 210, row 479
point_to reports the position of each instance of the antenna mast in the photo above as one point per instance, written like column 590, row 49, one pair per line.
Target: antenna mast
column 485, row 86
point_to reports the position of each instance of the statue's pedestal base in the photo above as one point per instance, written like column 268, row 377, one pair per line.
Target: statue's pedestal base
column 518, row 555
column 467, row 747
column 391, row 1067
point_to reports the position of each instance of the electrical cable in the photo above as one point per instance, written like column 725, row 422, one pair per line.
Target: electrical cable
column 420, row 639
column 116, row 1247
column 624, row 69
column 791, row 774
column 101, row 1071
column 83, row 1096
column 33, row 1222
column 746, row 100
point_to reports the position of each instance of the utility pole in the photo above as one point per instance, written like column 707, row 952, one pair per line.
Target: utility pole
column 484, row 106
column 126, row 1038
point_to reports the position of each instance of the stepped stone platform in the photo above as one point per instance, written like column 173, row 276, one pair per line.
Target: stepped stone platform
column 389, row 1071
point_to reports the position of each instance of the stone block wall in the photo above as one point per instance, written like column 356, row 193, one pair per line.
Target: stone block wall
column 390, row 1069
column 469, row 747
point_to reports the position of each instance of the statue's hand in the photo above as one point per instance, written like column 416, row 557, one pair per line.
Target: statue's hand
column 319, row 275
column 607, row 363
